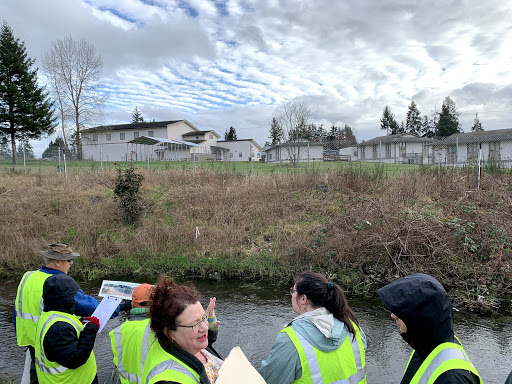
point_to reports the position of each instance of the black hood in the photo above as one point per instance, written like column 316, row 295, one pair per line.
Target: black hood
column 421, row 302
column 59, row 293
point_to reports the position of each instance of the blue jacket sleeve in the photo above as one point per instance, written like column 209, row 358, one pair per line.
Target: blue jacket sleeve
column 283, row 365
column 87, row 304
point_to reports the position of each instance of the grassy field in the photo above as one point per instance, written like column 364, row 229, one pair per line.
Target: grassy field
column 244, row 167
column 361, row 225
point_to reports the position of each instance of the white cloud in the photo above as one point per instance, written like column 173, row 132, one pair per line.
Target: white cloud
column 231, row 63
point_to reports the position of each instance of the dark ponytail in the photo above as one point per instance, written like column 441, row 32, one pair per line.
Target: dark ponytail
column 322, row 293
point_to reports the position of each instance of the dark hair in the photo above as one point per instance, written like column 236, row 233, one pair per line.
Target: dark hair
column 169, row 300
column 322, row 293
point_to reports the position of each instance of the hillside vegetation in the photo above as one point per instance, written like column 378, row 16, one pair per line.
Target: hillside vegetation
column 362, row 228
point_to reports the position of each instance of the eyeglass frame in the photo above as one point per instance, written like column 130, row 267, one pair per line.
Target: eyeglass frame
column 292, row 291
column 204, row 319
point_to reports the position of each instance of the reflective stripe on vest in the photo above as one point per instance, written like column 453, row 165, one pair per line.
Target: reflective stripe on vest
column 42, row 362
column 131, row 377
column 163, row 366
column 28, row 306
column 314, row 368
column 171, row 365
column 443, row 358
column 51, row 372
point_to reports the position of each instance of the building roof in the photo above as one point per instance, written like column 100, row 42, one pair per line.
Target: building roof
column 396, row 138
column 288, row 144
column 255, row 143
column 152, row 124
column 199, row 133
column 144, row 140
column 478, row 137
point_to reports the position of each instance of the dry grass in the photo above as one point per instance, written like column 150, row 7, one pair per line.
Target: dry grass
column 362, row 229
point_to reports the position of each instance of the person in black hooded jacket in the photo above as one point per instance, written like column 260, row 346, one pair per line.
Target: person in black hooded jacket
column 423, row 312
column 64, row 345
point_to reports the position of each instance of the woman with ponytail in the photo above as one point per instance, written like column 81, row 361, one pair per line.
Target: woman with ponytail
column 323, row 344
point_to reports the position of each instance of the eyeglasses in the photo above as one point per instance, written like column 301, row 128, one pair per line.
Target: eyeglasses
column 70, row 261
column 195, row 326
column 292, row 291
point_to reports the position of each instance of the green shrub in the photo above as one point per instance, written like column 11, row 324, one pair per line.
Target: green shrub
column 127, row 191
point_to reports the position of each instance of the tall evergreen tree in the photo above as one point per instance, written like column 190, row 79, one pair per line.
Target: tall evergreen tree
column 427, row 127
column 448, row 123
column 25, row 147
column 137, row 116
column 230, row 135
column 25, row 108
column 401, row 129
column 276, row 132
column 477, row 125
column 413, row 123
column 350, row 138
column 388, row 122
column 54, row 147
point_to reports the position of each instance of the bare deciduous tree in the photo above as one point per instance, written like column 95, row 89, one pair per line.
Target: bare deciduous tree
column 294, row 118
column 74, row 72
column 57, row 91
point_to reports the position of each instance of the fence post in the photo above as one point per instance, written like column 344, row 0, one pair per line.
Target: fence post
column 24, row 163
column 380, row 153
column 479, row 163
column 65, row 168
column 308, row 158
column 457, row 152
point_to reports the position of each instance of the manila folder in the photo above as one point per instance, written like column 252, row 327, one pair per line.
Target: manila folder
column 236, row 369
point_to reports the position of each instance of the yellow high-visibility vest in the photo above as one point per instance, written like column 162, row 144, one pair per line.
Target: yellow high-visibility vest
column 50, row 372
column 346, row 365
column 28, row 306
column 443, row 358
column 130, row 345
column 162, row 366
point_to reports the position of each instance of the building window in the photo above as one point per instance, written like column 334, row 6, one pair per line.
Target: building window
column 494, row 150
column 108, row 136
column 259, row 155
column 270, row 156
column 388, row 150
column 375, row 148
column 197, row 137
column 151, row 133
column 95, row 137
column 473, row 151
column 239, row 154
column 121, row 136
column 402, row 149
column 230, row 155
column 211, row 137
column 135, row 135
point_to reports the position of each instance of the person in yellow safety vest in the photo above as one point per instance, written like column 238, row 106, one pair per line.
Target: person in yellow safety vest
column 64, row 347
column 180, row 323
column 131, row 340
column 324, row 344
column 422, row 310
column 58, row 259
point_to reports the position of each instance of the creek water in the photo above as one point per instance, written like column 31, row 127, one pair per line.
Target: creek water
column 252, row 315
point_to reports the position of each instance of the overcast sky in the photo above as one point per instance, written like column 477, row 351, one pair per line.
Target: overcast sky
column 232, row 63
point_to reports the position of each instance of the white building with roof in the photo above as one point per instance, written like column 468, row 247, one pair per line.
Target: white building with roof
column 241, row 150
column 119, row 142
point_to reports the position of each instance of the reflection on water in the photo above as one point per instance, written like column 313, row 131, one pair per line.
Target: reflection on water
column 252, row 315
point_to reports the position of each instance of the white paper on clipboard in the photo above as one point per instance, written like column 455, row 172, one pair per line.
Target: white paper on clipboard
column 105, row 310
column 237, row 369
